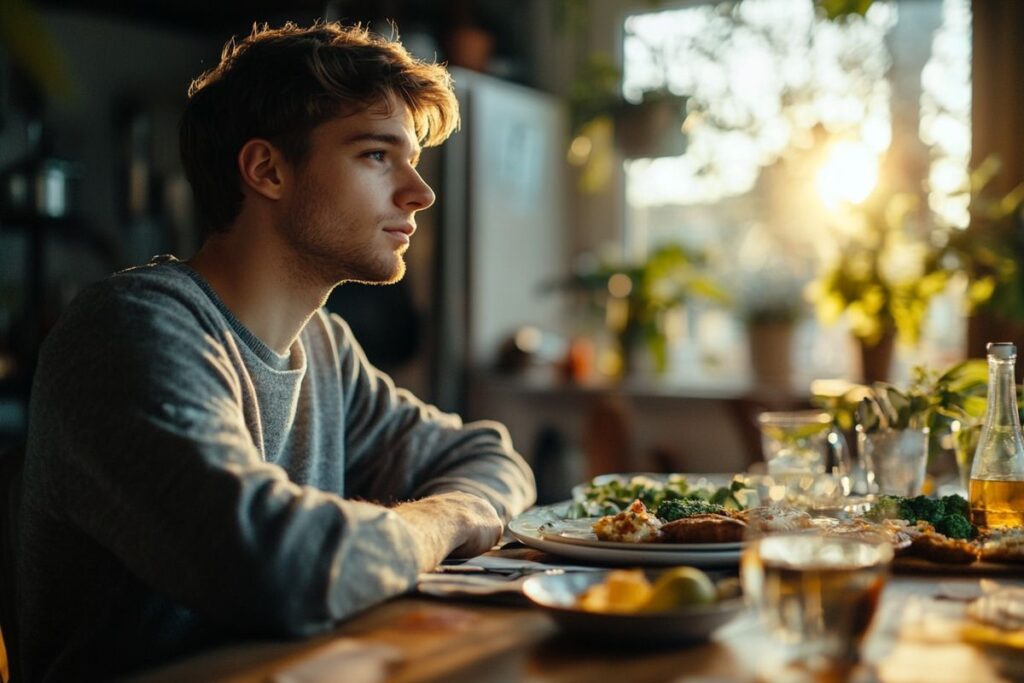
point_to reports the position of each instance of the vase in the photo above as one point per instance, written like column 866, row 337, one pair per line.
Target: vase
column 770, row 347
column 876, row 359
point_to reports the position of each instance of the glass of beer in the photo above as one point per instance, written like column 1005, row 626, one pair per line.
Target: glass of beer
column 816, row 594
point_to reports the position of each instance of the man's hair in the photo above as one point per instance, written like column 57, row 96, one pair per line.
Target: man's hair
column 279, row 84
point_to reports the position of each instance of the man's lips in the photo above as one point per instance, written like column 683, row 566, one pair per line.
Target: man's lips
column 401, row 233
column 405, row 229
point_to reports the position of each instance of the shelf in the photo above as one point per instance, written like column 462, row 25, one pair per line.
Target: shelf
column 74, row 230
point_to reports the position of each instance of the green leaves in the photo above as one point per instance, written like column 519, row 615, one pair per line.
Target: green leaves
column 988, row 250
column 931, row 398
column 645, row 292
column 884, row 278
column 886, row 407
column 840, row 9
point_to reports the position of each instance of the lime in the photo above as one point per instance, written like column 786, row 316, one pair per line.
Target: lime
column 680, row 587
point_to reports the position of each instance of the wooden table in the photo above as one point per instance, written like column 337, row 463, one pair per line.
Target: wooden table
column 410, row 640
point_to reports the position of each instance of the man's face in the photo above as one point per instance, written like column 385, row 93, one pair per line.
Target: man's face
column 351, row 210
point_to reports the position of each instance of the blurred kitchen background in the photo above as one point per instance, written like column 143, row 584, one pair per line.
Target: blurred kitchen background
column 657, row 218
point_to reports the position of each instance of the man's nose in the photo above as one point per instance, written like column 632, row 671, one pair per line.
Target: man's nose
column 417, row 195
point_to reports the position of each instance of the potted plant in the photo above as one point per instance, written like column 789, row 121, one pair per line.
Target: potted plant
column 938, row 404
column 770, row 303
column 882, row 280
column 605, row 125
column 634, row 298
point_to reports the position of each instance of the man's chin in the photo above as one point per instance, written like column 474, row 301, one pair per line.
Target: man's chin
column 384, row 275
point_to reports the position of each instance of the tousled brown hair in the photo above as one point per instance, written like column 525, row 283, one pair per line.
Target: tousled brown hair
column 279, row 84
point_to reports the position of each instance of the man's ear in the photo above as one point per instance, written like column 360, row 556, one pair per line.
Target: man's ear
column 262, row 168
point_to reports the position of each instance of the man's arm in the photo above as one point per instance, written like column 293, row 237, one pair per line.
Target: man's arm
column 454, row 523
column 137, row 416
column 399, row 448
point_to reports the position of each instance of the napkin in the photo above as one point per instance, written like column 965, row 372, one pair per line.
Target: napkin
column 488, row 576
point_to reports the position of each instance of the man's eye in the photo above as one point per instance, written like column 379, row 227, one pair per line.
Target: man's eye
column 375, row 155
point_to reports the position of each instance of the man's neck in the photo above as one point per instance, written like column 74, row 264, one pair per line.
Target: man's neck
column 260, row 286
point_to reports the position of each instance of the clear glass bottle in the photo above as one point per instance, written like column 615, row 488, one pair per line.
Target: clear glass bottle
column 996, row 489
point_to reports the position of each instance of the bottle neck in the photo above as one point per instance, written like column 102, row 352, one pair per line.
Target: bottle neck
column 1002, row 394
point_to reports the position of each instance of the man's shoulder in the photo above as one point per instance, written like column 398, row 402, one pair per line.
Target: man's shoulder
column 131, row 326
column 162, row 276
column 147, row 297
column 161, row 281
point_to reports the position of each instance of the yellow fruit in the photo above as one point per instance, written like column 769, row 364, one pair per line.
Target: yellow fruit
column 594, row 599
column 680, row 587
column 628, row 588
column 622, row 591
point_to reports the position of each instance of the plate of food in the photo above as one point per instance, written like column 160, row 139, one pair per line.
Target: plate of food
column 642, row 519
column 942, row 538
column 661, row 520
column 675, row 606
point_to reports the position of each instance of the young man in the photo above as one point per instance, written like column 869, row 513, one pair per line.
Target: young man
column 210, row 454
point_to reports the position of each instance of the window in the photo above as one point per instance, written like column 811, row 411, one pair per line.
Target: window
column 792, row 119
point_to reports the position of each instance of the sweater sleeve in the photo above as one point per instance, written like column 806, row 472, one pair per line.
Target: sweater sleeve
column 401, row 448
column 137, row 410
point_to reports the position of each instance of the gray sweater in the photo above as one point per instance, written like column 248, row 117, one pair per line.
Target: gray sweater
column 186, row 485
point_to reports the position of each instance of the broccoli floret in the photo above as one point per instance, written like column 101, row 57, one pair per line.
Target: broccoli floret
column 949, row 516
column 956, row 526
column 957, row 505
column 887, row 507
column 922, row 507
column 671, row 510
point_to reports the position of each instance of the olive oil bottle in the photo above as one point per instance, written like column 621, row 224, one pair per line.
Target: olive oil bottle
column 996, row 489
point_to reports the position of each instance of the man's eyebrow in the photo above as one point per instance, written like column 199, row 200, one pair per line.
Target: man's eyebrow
column 386, row 138
column 383, row 138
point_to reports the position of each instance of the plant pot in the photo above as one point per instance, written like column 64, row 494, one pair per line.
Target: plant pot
column 470, row 47
column 651, row 128
column 876, row 359
column 770, row 346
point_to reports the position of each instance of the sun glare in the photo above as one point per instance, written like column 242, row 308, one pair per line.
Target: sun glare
column 848, row 175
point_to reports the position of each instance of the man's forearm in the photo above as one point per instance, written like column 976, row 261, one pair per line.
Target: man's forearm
column 450, row 523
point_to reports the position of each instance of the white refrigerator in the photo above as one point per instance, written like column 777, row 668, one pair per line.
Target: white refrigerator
column 499, row 229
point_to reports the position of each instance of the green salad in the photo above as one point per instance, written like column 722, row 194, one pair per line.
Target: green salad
column 950, row 515
column 617, row 494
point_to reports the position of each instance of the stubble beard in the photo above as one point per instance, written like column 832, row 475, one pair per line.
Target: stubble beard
column 317, row 235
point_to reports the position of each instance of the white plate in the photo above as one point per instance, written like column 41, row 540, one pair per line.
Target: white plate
column 580, row 532
column 527, row 529
column 559, row 593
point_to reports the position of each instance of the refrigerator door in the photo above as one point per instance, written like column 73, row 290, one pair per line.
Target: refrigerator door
column 504, row 234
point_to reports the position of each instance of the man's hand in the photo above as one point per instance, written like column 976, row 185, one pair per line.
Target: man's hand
column 453, row 523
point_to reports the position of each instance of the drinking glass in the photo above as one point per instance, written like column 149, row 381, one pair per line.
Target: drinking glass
column 795, row 442
column 895, row 460
column 965, row 443
column 799, row 447
column 816, row 595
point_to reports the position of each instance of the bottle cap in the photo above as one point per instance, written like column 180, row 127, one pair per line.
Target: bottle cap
column 1001, row 350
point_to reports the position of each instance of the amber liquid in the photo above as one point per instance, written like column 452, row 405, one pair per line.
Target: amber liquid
column 997, row 503
column 818, row 594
